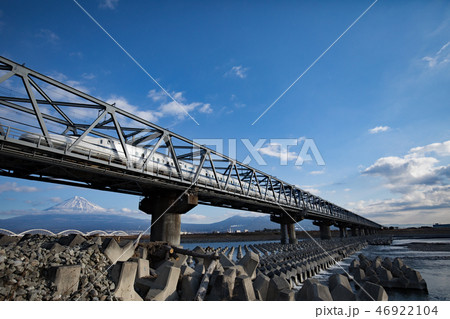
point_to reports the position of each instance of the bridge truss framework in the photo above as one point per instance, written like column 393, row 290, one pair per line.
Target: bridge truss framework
column 37, row 105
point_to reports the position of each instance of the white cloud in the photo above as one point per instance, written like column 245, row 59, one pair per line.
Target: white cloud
column 61, row 95
column 14, row 187
column 276, row 150
column 56, row 200
column 206, row 108
column 317, row 172
column 48, row 35
column 18, row 212
column 57, row 94
column 414, row 168
column 88, row 76
column 347, row 189
column 242, row 213
column 311, row 189
column 440, row 149
column 109, row 4
column 126, row 212
column 192, row 218
column 237, row 71
column 379, row 129
column 418, row 185
column 441, row 57
column 167, row 107
column 236, row 102
column 123, row 104
column 177, row 110
column 421, row 206
column 157, row 95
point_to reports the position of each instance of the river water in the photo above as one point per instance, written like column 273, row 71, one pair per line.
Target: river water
column 434, row 266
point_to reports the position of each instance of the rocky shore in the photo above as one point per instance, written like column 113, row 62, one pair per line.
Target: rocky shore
column 73, row 267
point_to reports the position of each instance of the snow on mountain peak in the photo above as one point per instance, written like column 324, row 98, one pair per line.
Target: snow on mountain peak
column 76, row 204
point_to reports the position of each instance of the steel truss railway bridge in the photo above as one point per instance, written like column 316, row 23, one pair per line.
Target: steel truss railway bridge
column 52, row 132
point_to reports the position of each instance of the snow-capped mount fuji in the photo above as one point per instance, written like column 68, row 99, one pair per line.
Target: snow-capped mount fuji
column 76, row 205
column 78, row 213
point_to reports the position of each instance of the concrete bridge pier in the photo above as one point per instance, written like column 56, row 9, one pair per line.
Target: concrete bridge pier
column 325, row 231
column 343, row 231
column 354, row 231
column 284, row 233
column 166, row 219
column 291, row 233
column 287, row 226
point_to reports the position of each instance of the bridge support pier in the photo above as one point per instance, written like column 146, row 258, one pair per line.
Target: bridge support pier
column 291, row 233
column 166, row 222
column 354, row 231
column 325, row 231
column 287, row 226
column 343, row 231
column 284, row 233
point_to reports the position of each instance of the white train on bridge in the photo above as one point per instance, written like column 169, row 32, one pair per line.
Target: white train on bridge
column 109, row 149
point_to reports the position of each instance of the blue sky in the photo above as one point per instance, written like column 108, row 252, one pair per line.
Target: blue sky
column 376, row 104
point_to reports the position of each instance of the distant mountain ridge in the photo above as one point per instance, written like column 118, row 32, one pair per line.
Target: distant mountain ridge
column 78, row 213
column 241, row 223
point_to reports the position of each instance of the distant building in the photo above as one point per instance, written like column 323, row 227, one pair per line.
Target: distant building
column 441, row 226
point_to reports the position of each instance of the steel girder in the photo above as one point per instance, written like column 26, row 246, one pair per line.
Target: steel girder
column 43, row 106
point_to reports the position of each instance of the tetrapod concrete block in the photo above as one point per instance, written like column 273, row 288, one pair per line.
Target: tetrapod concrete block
column 372, row 292
column 116, row 253
column 276, row 285
column 261, row 286
column 243, row 289
column 340, row 288
column 250, row 262
column 286, row 295
column 180, row 260
column 165, row 285
column 223, row 286
column 387, row 263
column 66, row 278
column 225, row 262
column 312, row 290
column 383, row 274
column 72, row 240
column 124, row 275
column 189, row 285
column 143, row 269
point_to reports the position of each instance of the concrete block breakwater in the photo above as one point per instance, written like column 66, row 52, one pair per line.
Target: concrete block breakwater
column 37, row 267
column 387, row 273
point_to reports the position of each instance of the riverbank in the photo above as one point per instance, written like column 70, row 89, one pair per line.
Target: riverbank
column 275, row 235
column 429, row 246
